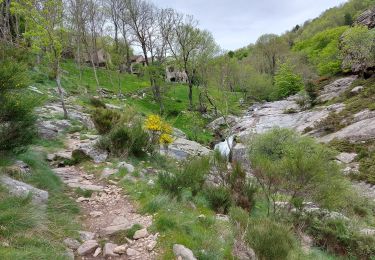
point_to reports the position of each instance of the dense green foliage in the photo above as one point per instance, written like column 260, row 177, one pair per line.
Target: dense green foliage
column 284, row 160
column 358, row 48
column 17, row 104
column 287, row 83
column 191, row 177
column 323, row 50
column 105, row 119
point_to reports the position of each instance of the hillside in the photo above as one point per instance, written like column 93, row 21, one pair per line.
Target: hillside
column 266, row 152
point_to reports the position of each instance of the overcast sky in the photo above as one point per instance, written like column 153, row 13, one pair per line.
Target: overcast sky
column 237, row 23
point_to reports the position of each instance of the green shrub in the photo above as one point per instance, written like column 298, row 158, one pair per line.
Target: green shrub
column 339, row 237
column 269, row 239
column 239, row 218
column 332, row 123
column 286, row 162
column 191, row 176
column 312, row 91
column 17, row 119
column 127, row 140
column 131, row 231
column 219, row 199
column 120, row 138
column 105, row 119
column 287, row 82
column 96, row 102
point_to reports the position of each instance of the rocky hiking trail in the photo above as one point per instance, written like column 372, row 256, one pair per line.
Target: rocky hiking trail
column 106, row 212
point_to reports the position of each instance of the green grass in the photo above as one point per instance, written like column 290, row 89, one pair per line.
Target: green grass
column 177, row 222
column 175, row 96
column 126, row 82
column 31, row 232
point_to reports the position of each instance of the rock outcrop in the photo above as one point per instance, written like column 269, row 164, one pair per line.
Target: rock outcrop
column 182, row 148
column 336, row 88
column 367, row 18
column 50, row 124
column 21, row 189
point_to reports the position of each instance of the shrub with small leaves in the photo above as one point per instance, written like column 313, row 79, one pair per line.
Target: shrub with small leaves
column 105, row 119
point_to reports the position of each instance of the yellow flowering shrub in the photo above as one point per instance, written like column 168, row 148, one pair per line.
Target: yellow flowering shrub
column 161, row 130
column 165, row 139
column 153, row 123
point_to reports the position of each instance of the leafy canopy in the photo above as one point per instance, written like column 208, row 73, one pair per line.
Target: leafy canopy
column 287, row 82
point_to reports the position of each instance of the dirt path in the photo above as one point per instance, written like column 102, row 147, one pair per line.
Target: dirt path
column 107, row 214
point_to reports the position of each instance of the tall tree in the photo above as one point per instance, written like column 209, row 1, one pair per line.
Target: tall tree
column 142, row 19
column 188, row 44
column 45, row 30
column 270, row 49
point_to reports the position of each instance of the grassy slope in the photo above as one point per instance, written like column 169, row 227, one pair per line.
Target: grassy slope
column 175, row 97
column 23, row 227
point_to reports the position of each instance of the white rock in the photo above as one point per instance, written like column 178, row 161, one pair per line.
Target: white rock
column 71, row 243
column 368, row 231
column 346, row 157
column 69, row 254
column 120, row 249
column 181, row 148
column 357, row 90
column 150, row 246
column 130, row 168
column 21, row 189
column 97, row 252
column 82, row 199
column 87, row 247
column 140, row 233
column 131, row 252
column 107, row 172
column 336, row 88
column 183, row 252
column 85, row 235
column 108, row 250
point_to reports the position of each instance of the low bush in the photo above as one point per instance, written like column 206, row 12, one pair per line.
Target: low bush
column 339, row 237
column 331, row 124
column 219, row 199
column 191, row 176
column 127, row 140
column 17, row 119
column 269, row 239
column 283, row 161
column 105, row 119
column 239, row 218
column 95, row 102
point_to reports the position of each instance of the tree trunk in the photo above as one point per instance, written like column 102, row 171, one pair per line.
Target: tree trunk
column 59, row 88
column 191, row 95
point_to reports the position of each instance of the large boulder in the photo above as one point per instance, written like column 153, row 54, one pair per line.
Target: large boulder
column 50, row 129
column 21, row 189
column 222, row 122
column 90, row 150
column 367, row 18
column 88, row 247
column 182, row 148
